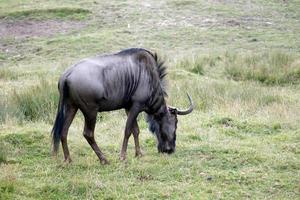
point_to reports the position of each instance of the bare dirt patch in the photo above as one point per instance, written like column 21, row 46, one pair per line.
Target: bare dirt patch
column 21, row 29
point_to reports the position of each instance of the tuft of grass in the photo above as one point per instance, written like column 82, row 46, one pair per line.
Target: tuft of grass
column 7, row 110
column 197, row 64
column 7, row 188
column 195, row 137
column 3, row 110
column 235, row 127
column 51, row 13
column 18, row 140
column 37, row 102
column 183, row 3
column 269, row 68
column 214, row 95
column 3, row 153
column 7, row 74
column 2, row 57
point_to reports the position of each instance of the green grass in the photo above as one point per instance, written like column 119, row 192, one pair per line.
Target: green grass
column 7, row 74
column 239, row 60
column 198, row 64
column 268, row 68
column 37, row 102
column 3, row 157
column 51, row 13
column 198, row 169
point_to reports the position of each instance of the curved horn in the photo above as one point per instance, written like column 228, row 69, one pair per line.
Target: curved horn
column 185, row 112
column 189, row 110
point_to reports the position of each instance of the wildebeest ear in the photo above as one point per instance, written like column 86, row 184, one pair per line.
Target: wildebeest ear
column 172, row 110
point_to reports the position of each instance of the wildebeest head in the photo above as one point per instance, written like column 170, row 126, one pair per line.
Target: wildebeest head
column 164, row 125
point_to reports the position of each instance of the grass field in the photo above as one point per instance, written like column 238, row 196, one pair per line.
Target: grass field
column 239, row 60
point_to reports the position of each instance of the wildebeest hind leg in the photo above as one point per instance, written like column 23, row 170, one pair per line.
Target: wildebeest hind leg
column 132, row 115
column 89, row 127
column 69, row 116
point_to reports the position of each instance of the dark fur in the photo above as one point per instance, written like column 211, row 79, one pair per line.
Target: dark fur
column 160, row 65
column 153, row 124
column 59, row 120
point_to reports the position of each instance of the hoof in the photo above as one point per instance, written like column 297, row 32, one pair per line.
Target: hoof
column 139, row 154
column 68, row 160
column 104, row 162
column 123, row 158
column 54, row 155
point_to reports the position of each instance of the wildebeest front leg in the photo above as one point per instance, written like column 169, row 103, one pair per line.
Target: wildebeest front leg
column 132, row 113
column 89, row 127
column 135, row 130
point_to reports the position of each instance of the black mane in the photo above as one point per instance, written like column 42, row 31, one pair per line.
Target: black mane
column 162, row 72
column 160, row 67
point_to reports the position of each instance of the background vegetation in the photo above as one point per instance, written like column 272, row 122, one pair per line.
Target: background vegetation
column 238, row 59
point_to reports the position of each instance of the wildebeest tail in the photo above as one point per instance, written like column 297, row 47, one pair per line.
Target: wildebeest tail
column 60, row 116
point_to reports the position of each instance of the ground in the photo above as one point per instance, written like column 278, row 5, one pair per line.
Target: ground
column 238, row 59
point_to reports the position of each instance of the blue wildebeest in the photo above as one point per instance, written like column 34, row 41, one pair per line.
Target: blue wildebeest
column 132, row 79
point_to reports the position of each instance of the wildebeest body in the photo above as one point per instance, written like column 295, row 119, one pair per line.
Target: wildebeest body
column 132, row 79
column 112, row 82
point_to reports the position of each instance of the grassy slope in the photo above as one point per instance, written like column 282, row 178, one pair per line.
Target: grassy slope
column 242, row 141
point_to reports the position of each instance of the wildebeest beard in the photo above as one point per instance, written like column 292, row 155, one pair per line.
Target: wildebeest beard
column 161, row 127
